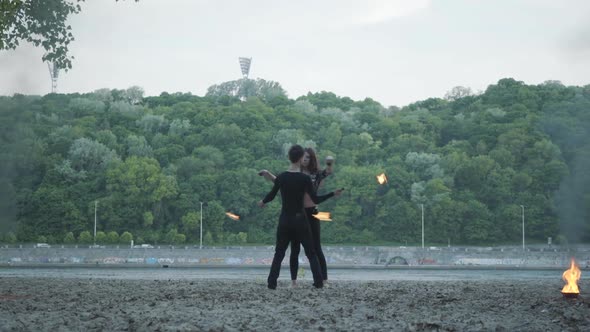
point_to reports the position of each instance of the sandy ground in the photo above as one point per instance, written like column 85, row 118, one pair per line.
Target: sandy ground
column 45, row 304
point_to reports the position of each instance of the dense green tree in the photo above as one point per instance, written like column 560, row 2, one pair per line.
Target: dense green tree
column 85, row 237
column 190, row 221
column 134, row 187
column 472, row 160
column 244, row 88
column 10, row 238
column 173, row 237
column 101, row 237
column 69, row 238
column 113, row 237
column 42, row 23
column 125, row 238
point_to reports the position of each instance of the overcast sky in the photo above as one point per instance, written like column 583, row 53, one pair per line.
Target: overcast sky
column 393, row 51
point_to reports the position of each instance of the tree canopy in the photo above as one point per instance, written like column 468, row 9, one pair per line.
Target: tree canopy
column 42, row 23
column 471, row 159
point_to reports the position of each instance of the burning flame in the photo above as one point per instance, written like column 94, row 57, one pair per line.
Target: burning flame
column 571, row 276
column 232, row 216
column 323, row 216
column 381, row 178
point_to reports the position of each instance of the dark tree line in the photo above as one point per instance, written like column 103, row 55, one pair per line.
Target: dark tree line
column 471, row 160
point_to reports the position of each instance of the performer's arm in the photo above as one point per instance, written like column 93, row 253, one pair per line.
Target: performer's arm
column 314, row 197
column 267, row 175
column 326, row 171
column 271, row 195
column 321, row 176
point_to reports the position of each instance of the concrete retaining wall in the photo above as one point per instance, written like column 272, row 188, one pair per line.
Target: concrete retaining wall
column 336, row 256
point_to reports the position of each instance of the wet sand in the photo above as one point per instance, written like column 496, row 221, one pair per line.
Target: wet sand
column 49, row 304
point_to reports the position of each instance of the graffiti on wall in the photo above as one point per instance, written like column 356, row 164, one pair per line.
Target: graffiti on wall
column 427, row 261
column 489, row 261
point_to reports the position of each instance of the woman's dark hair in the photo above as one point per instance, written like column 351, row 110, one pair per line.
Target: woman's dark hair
column 295, row 153
column 312, row 167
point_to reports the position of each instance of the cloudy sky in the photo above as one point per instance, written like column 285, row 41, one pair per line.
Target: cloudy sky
column 393, row 51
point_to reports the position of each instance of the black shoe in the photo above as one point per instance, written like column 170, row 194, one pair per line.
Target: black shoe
column 272, row 286
column 318, row 285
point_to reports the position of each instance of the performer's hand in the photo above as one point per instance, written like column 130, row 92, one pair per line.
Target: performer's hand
column 329, row 164
column 261, row 204
column 338, row 192
column 329, row 161
column 263, row 172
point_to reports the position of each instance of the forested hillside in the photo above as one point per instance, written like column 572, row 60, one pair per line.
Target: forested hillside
column 472, row 160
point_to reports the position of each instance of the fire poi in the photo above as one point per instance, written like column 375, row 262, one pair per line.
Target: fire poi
column 232, row 216
column 323, row 216
column 571, row 277
column 381, row 178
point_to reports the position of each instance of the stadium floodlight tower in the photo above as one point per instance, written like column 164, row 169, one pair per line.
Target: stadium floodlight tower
column 54, row 74
column 245, row 66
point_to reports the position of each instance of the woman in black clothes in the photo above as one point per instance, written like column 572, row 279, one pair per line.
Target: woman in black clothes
column 293, row 224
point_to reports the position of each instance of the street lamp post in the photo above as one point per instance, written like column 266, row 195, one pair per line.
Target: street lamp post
column 95, row 204
column 201, row 243
column 522, row 206
column 422, row 206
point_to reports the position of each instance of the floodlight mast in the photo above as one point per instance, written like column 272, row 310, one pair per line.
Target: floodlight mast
column 54, row 74
column 245, row 66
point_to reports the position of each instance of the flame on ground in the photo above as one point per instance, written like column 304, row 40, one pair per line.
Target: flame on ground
column 323, row 216
column 381, row 178
column 571, row 277
column 232, row 216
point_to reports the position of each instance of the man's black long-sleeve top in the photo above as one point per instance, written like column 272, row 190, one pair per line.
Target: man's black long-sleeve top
column 293, row 186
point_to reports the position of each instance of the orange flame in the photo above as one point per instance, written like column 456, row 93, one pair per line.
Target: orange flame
column 232, row 216
column 571, row 276
column 323, row 216
column 381, row 178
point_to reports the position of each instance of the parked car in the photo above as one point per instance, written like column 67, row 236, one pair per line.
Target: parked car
column 42, row 245
column 144, row 246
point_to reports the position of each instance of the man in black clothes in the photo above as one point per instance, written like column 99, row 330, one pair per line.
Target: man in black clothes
column 293, row 224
